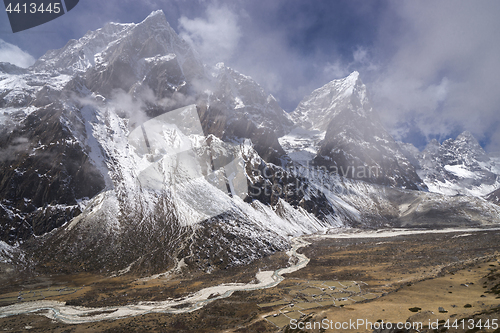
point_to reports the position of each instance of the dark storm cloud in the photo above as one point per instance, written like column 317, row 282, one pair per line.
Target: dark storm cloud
column 443, row 70
column 431, row 67
column 291, row 47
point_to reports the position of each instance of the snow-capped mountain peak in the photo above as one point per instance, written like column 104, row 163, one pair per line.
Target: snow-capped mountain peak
column 249, row 100
column 457, row 166
column 468, row 144
column 316, row 111
column 343, row 133
column 156, row 13
column 123, row 42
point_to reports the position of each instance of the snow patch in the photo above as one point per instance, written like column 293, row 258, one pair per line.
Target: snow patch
column 460, row 171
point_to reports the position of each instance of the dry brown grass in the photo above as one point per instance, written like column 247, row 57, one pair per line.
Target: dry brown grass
column 411, row 271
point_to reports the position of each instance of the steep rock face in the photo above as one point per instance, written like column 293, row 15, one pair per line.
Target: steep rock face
column 248, row 100
column 355, row 144
column 239, row 108
column 317, row 110
column 44, row 177
column 8, row 68
column 459, row 166
column 494, row 197
column 127, row 44
column 46, row 172
column 148, row 60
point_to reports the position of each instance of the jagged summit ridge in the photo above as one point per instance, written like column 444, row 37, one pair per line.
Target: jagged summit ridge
column 156, row 20
column 347, row 135
column 151, row 37
column 158, row 12
column 457, row 166
column 248, row 100
column 317, row 110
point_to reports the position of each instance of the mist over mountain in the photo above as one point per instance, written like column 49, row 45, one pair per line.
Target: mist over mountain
column 355, row 144
column 123, row 152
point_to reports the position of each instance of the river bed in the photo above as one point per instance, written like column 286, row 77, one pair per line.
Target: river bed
column 77, row 314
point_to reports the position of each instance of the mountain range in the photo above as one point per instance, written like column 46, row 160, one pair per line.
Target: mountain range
column 123, row 152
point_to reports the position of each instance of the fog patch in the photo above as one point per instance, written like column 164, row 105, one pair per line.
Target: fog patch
column 18, row 145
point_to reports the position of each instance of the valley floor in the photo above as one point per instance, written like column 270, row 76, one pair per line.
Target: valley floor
column 389, row 277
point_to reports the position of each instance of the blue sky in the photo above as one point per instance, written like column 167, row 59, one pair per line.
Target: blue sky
column 431, row 67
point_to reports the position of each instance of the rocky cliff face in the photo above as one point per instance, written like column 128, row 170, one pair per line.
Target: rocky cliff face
column 494, row 197
column 46, row 174
column 459, row 166
column 239, row 108
column 355, row 143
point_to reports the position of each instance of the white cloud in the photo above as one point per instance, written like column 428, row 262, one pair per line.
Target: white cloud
column 494, row 144
column 362, row 60
column 360, row 55
column 335, row 70
column 13, row 54
column 215, row 37
column 442, row 70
